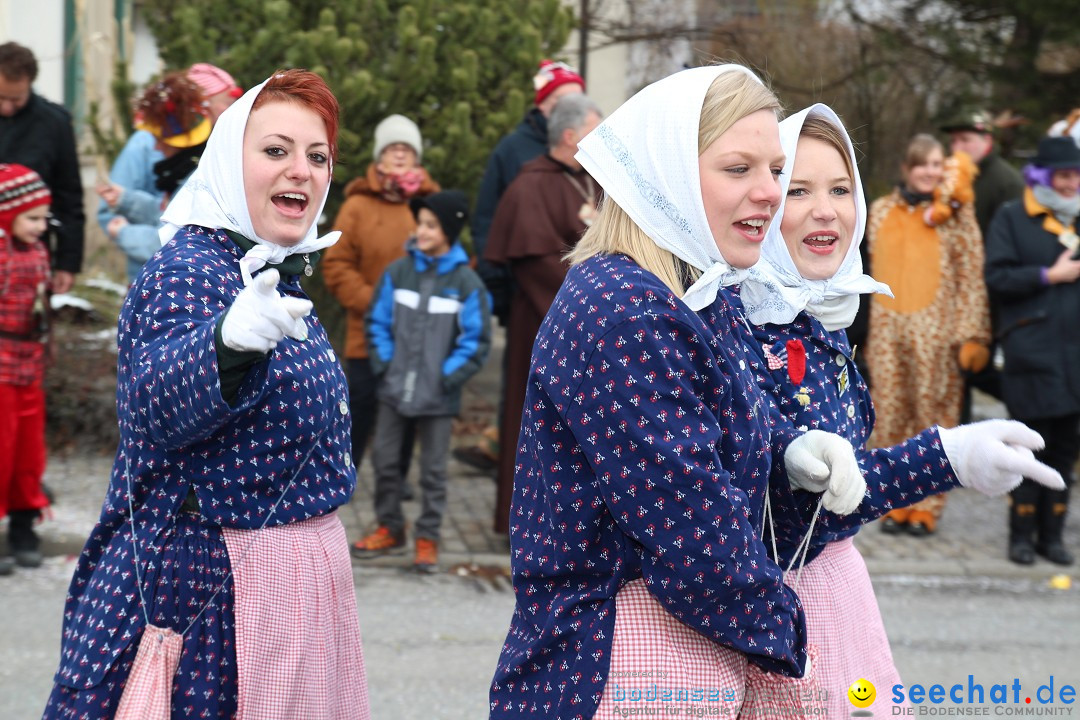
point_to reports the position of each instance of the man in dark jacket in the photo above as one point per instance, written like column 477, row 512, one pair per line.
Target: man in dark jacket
column 998, row 182
column 529, row 140
column 38, row 134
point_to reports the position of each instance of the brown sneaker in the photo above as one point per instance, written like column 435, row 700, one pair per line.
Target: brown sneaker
column 383, row 541
column 427, row 556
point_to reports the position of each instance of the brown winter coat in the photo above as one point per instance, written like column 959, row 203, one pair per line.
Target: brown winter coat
column 373, row 235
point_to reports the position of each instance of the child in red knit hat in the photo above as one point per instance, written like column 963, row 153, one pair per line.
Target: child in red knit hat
column 24, row 279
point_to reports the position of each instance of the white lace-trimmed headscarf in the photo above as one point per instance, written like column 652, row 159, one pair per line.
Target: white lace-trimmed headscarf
column 645, row 156
column 214, row 197
column 775, row 292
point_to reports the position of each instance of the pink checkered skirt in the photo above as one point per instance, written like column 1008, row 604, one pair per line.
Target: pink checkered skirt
column 298, row 647
column 658, row 661
column 844, row 622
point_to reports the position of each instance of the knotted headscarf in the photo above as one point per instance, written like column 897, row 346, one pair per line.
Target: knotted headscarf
column 214, row 195
column 775, row 292
column 645, row 156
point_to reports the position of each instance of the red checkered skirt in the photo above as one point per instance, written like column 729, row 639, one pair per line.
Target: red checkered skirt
column 658, row 661
column 844, row 622
column 298, row 646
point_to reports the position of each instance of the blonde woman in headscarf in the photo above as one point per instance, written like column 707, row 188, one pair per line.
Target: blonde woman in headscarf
column 644, row 449
column 799, row 299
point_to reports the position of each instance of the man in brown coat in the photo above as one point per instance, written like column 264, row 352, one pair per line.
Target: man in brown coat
column 541, row 216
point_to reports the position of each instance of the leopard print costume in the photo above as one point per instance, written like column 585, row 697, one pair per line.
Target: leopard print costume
column 936, row 274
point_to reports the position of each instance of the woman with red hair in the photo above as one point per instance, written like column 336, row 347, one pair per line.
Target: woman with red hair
column 234, row 452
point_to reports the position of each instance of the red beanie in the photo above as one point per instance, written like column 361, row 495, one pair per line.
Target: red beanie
column 551, row 75
column 21, row 190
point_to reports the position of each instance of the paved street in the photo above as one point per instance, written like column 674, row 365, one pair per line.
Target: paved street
column 952, row 604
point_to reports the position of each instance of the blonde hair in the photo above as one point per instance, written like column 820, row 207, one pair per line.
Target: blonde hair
column 818, row 128
column 731, row 97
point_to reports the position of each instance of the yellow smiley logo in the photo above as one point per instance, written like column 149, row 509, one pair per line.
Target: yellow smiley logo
column 861, row 693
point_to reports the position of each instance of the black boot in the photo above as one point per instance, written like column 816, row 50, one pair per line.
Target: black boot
column 1022, row 523
column 1053, row 505
column 22, row 540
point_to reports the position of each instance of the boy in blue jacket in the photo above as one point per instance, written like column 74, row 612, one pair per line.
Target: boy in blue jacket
column 429, row 330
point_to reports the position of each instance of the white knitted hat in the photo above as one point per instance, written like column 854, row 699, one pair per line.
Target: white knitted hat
column 398, row 129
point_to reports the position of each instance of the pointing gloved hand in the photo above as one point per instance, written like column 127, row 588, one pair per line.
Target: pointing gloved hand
column 820, row 461
column 259, row 317
column 994, row 456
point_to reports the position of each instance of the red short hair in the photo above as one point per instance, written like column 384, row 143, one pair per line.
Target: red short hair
column 307, row 89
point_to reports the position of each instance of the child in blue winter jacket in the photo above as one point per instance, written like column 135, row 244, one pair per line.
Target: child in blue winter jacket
column 429, row 331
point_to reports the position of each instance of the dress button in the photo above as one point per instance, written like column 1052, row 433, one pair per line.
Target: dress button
column 851, row 411
column 348, row 460
column 841, row 360
column 330, row 354
column 742, row 364
column 343, row 407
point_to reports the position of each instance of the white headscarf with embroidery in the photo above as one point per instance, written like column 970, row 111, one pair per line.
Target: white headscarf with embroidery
column 214, row 196
column 645, row 156
column 775, row 292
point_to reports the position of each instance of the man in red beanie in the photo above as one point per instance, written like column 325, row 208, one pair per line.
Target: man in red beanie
column 528, row 141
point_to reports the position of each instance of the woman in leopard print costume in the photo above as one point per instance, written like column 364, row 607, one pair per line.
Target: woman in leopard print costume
column 937, row 326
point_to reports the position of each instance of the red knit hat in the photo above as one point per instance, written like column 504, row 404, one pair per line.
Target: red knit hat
column 21, row 189
column 553, row 74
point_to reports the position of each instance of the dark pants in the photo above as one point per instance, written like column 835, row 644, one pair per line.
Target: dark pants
column 1037, row 509
column 363, row 405
column 434, row 453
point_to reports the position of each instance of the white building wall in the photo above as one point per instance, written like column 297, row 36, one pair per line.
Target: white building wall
column 39, row 25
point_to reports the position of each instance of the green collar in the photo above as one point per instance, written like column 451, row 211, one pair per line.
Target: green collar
column 295, row 264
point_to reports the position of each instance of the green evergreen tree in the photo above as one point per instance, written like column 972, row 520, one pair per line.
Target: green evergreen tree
column 461, row 69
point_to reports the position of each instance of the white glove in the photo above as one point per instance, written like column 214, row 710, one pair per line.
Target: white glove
column 994, row 456
column 259, row 317
column 820, row 461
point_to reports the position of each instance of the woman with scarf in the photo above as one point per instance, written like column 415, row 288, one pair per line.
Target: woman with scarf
column 799, row 299
column 375, row 223
column 1033, row 268
column 234, row 452
column 645, row 448
column 936, row 327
